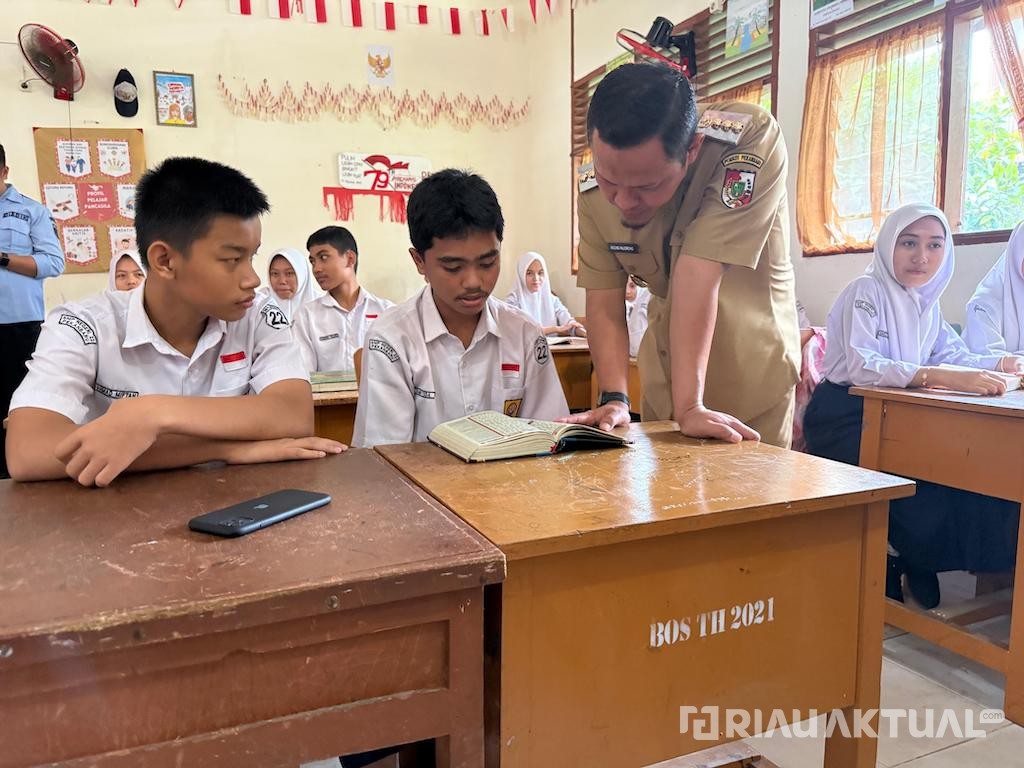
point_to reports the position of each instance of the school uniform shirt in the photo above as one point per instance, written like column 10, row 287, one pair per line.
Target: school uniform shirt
column 729, row 208
column 328, row 335
column 26, row 229
column 995, row 314
column 103, row 348
column 417, row 375
column 636, row 319
column 542, row 305
column 880, row 332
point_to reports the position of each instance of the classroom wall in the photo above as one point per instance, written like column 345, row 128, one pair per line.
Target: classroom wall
column 292, row 162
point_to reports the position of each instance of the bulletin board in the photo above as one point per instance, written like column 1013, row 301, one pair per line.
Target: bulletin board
column 87, row 179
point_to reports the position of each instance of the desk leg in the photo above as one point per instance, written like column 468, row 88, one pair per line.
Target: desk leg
column 463, row 747
column 852, row 751
column 1013, row 699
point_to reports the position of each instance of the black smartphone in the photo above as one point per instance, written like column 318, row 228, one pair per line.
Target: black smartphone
column 248, row 516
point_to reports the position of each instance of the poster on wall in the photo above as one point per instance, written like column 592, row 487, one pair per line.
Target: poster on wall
column 746, row 26
column 380, row 69
column 93, row 212
column 175, row 99
column 390, row 178
column 827, row 11
column 122, row 239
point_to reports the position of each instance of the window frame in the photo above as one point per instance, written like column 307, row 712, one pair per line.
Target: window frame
column 951, row 15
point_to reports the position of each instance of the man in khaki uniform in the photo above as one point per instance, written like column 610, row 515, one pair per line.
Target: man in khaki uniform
column 694, row 206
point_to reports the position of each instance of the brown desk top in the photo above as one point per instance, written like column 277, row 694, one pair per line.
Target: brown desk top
column 76, row 559
column 663, row 484
column 1011, row 404
column 335, row 398
column 573, row 345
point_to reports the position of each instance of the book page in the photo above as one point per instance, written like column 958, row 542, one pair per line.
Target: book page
column 489, row 427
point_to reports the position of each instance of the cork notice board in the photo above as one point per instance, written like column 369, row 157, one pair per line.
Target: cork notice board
column 87, row 180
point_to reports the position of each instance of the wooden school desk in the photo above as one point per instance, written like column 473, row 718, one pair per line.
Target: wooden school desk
column 972, row 443
column 671, row 573
column 334, row 414
column 572, row 361
column 127, row 640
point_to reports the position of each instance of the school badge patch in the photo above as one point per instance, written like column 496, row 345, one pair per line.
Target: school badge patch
column 379, row 345
column 274, row 317
column 541, row 352
column 738, row 188
column 79, row 326
column 512, row 407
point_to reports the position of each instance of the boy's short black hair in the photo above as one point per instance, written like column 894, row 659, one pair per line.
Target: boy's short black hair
column 636, row 102
column 339, row 237
column 3, row 156
column 452, row 203
column 178, row 200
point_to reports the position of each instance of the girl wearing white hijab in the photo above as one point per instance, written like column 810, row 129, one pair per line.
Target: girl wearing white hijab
column 290, row 281
column 533, row 296
column 637, row 299
column 886, row 329
column 126, row 272
column 995, row 314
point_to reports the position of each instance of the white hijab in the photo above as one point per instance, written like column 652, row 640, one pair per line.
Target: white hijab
column 915, row 316
column 1001, row 293
column 540, row 305
column 306, row 288
column 112, row 275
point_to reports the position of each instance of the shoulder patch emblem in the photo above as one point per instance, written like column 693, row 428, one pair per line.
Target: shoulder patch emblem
column 726, row 127
column 426, row 394
column 738, row 188
column 866, row 306
column 586, row 177
column 273, row 316
column 541, row 352
column 379, row 345
column 79, row 326
column 742, row 158
column 882, row 335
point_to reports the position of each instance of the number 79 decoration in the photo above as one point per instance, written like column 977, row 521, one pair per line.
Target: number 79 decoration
column 390, row 178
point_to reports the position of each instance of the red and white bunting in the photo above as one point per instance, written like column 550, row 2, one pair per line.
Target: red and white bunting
column 243, row 7
column 551, row 5
column 419, row 14
column 481, row 22
column 451, row 20
column 315, row 10
column 508, row 19
column 385, row 15
column 352, row 13
column 279, row 9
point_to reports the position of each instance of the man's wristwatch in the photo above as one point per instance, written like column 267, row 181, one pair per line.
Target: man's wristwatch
column 5, row 260
column 614, row 397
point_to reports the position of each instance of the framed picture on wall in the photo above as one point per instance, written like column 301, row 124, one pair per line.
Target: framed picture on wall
column 175, row 99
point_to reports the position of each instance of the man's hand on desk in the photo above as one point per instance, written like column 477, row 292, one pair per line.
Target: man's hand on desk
column 607, row 417
column 698, row 421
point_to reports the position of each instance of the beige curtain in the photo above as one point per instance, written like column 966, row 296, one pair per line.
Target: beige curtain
column 752, row 93
column 868, row 144
column 1005, row 21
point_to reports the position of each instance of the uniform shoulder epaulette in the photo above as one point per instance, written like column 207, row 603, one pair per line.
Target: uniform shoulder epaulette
column 727, row 127
column 586, row 177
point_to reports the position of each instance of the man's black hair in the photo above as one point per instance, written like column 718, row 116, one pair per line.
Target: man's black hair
column 339, row 237
column 178, row 200
column 452, row 203
column 637, row 102
column 3, row 156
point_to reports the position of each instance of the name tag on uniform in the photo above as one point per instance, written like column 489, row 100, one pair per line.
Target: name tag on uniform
column 330, row 336
column 623, row 247
column 234, row 361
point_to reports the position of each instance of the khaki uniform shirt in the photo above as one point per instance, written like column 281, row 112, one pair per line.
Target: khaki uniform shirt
column 730, row 208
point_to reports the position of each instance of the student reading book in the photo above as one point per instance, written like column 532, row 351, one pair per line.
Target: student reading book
column 490, row 435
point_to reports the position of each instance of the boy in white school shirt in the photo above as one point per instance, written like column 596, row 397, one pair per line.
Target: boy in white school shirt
column 453, row 349
column 331, row 328
column 158, row 377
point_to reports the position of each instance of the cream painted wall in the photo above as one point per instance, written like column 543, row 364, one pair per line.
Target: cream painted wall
column 290, row 161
